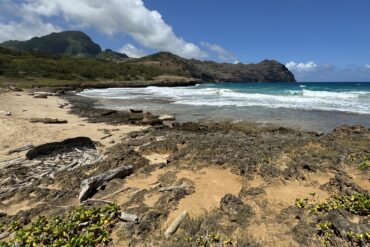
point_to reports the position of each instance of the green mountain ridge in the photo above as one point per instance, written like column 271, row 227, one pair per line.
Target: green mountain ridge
column 73, row 56
column 71, row 43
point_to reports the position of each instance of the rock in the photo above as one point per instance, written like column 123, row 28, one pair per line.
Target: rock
column 342, row 225
column 65, row 146
column 40, row 96
column 151, row 120
column 136, row 111
column 303, row 233
column 254, row 191
column 108, row 112
column 166, row 117
column 236, row 209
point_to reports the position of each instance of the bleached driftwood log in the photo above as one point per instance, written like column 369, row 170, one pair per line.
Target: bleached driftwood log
column 175, row 224
column 47, row 93
column 21, row 149
column 6, row 113
column 89, row 186
column 171, row 188
column 12, row 162
column 129, row 217
column 4, row 235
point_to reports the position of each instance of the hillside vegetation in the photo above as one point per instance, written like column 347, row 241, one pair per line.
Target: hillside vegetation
column 72, row 58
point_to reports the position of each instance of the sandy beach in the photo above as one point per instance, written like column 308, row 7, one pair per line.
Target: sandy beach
column 255, row 183
column 16, row 130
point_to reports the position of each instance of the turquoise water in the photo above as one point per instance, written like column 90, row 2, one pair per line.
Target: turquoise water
column 313, row 106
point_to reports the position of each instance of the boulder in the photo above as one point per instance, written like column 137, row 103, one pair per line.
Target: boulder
column 65, row 146
column 136, row 111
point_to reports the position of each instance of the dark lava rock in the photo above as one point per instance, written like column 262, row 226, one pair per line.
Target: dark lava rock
column 236, row 209
column 303, row 233
column 65, row 146
column 342, row 225
column 341, row 183
column 252, row 191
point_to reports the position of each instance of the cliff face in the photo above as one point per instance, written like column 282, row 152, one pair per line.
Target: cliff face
column 265, row 71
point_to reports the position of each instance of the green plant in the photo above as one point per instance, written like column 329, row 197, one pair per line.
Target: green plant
column 325, row 231
column 80, row 227
column 363, row 166
column 357, row 203
column 301, row 202
column 359, row 237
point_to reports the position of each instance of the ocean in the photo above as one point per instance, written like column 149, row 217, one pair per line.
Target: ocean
column 309, row 106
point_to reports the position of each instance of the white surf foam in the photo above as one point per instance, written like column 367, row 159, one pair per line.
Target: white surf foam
column 352, row 101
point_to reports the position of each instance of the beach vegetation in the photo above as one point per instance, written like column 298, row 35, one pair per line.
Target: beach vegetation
column 81, row 226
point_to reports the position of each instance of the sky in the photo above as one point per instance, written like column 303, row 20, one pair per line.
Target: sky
column 318, row 40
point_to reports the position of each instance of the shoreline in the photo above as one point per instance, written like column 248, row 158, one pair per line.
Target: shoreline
column 241, row 180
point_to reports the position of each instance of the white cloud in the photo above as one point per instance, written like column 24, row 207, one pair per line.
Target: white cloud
column 301, row 67
column 312, row 72
column 221, row 52
column 132, row 51
column 114, row 17
column 367, row 66
column 27, row 26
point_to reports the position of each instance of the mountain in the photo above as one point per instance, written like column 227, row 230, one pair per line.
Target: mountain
column 265, row 71
column 72, row 55
column 110, row 55
column 71, row 43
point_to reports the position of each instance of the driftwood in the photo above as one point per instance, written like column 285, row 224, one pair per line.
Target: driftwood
column 97, row 200
column 6, row 113
column 21, row 149
column 129, row 217
column 40, row 96
column 171, row 188
column 135, row 111
column 63, row 105
column 4, row 235
column 47, row 93
column 175, row 224
column 12, row 162
column 48, row 120
column 105, row 137
column 166, row 117
column 90, row 186
column 117, row 192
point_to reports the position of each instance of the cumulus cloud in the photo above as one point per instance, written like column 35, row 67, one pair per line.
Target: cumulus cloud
column 367, row 66
column 131, row 51
column 301, row 67
column 114, row 17
column 221, row 52
column 28, row 25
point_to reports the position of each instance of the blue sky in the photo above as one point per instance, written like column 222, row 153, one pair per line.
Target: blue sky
column 319, row 40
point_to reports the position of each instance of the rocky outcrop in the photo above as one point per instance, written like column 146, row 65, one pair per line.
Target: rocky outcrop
column 209, row 71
